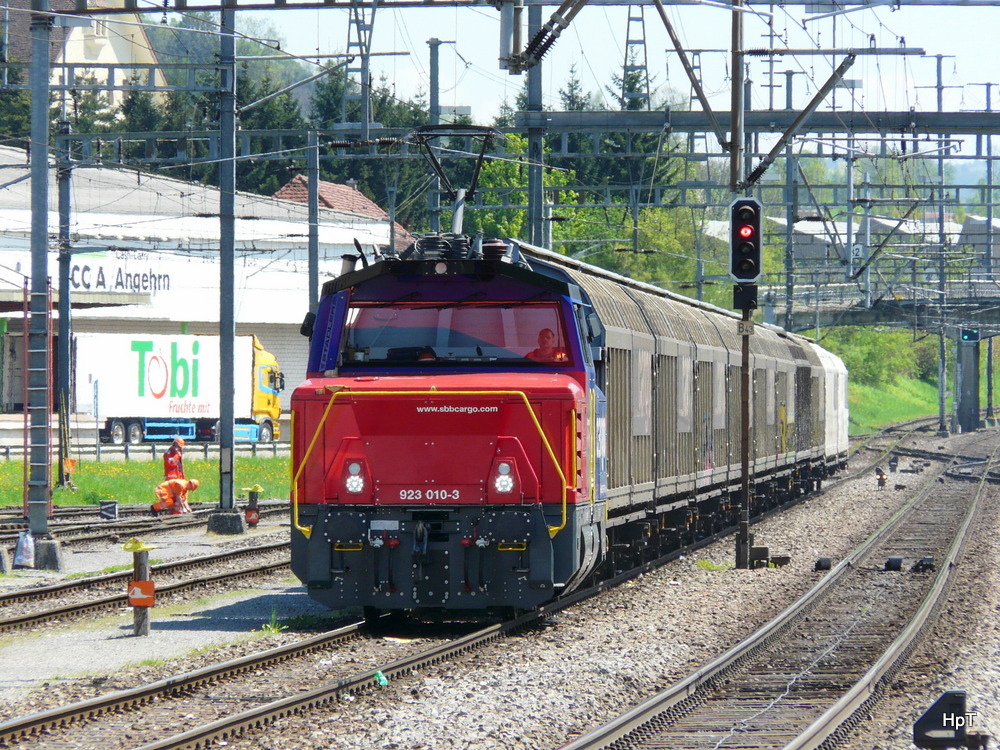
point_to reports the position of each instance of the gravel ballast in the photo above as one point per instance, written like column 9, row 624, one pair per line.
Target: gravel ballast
column 542, row 688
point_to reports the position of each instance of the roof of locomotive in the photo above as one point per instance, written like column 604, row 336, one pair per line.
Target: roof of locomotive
column 484, row 269
column 528, row 264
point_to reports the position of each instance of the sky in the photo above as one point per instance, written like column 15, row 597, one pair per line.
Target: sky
column 595, row 44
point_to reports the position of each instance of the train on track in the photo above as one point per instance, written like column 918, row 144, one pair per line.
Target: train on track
column 486, row 425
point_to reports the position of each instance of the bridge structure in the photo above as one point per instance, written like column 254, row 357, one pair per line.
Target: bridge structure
column 964, row 313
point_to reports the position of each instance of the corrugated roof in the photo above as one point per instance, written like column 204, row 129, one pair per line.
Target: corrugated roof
column 111, row 203
column 135, row 233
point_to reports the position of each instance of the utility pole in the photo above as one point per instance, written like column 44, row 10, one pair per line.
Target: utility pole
column 312, row 171
column 791, row 203
column 745, row 291
column 227, row 250
column 434, row 195
column 536, row 133
column 736, row 129
column 36, row 373
column 435, row 102
column 988, row 261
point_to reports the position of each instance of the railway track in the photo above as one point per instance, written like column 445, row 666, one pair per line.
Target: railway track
column 198, row 731
column 202, row 728
column 883, row 445
column 26, row 608
column 76, row 532
column 801, row 678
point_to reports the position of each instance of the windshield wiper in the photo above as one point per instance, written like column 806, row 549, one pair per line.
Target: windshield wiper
column 463, row 300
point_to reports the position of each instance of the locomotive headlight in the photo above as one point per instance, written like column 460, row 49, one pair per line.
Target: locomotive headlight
column 355, row 482
column 503, row 482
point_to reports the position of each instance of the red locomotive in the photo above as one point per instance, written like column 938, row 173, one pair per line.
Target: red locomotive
column 486, row 424
column 444, row 461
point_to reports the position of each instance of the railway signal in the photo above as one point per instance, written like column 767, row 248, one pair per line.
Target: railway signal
column 970, row 334
column 744, row 266
column 745, row 240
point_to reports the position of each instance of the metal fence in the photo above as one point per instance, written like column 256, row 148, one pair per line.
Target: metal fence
column 151, row 451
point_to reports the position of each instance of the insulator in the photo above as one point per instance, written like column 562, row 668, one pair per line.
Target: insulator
column 494, row 249
column 431, row 246
column 458, row 246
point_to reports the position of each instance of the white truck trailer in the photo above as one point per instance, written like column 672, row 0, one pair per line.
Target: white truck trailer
column 159, row 387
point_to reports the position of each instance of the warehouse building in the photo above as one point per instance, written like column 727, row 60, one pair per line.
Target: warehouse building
column 145, row 259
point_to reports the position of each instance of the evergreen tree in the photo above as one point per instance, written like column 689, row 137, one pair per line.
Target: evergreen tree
column 573, row 97
column 378, row 178
column 140, row 113
column 265, row 176
column 88, row 110
column 628, row 88
column 15, row 113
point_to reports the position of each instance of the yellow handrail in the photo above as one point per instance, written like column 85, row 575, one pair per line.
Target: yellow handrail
column 572, row 443
column 553, row 530
column 306, row 530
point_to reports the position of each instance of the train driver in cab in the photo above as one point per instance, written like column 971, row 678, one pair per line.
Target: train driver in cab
column 547, row 350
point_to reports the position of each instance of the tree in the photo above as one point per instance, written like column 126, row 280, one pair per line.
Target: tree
column 15, row 113
column 629, row 88
column 873, row 357
column 384, row 180
column 573, row 97
column 265, row 176
column 140, row 113
column 88, row 110
column 493, row 219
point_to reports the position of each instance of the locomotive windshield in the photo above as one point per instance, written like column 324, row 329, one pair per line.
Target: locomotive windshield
column 521, row 334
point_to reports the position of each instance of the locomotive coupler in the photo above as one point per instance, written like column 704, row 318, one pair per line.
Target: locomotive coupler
column 420, row 543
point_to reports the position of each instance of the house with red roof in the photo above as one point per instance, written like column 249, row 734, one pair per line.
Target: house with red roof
column 344, row 199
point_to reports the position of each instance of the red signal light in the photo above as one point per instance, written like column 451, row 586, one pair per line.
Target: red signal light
column 745, row 240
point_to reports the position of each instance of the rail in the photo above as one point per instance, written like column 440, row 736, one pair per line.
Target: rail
column 616, row 729
column 256, row 716
column 820, row 730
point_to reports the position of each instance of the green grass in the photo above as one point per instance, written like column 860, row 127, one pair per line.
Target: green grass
column 714, row 567
column 873, row 408
column 133, row 482
column 273, row 627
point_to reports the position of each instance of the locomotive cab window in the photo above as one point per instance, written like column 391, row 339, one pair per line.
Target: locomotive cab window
column 428, row 333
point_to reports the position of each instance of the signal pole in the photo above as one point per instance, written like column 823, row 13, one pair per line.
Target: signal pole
column 745, row 249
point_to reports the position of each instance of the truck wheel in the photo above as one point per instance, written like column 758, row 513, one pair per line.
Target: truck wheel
column 117, row 432
column 266, row 433
column 135, row 433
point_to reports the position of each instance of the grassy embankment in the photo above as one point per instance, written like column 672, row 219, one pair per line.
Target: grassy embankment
column 133, row 482
column 901, row 401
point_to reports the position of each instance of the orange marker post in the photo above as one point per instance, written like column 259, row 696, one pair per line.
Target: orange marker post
column 252, row 512
column 141, row 590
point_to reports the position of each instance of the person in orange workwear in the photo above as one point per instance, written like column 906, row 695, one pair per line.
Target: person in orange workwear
column 173, row 460
column 172, row 496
